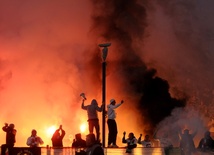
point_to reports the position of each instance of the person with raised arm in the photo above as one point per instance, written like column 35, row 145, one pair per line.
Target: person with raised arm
column 57, row 138
column 93, row 120
column 131, row 141
column 112, row 124
column 10, row 139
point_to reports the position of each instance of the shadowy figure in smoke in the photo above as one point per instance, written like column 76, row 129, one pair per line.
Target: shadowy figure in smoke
column 78, row 142
column 187, row 145
column 93, row 147
column 10, row 139
column 57, row 137
column 146, row 142
column 206, row 143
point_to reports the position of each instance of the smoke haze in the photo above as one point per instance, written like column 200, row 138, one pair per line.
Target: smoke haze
column 160, row 62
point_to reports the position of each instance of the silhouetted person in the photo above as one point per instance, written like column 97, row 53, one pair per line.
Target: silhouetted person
column 57, row 138
column 112, row 125
column 206, row 143
column 34, row 140
column 146, row 142
column 10, row 139
column 93, row 120
column 131, row 142
column 187, row 145
column 93, row 147
column 78, row 141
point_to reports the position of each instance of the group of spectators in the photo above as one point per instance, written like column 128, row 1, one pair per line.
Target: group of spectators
column 92, row 142
column 32, row 141
column 57, row 141
column 187, row 145
column 205, row 144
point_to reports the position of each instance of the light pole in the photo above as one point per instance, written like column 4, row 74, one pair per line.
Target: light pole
column 104, row 56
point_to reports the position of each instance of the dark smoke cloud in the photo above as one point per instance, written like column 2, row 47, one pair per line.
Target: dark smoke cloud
column 160, row 58
column 124, row 23
column 180, row 48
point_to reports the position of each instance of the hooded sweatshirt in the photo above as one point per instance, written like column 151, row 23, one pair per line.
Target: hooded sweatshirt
column 92, row 109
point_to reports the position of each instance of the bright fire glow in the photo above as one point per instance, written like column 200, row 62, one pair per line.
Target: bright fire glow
column 83, row 128
column 50, row 131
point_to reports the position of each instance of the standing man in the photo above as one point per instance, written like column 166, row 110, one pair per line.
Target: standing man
column 57, row 138
column 112, row 125
column 10, row 139
column 187, row 145
column 93, row 120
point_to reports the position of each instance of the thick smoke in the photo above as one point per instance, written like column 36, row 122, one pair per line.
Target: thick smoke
column 42, row 67
column 160, row 60
column 180, row 48
column 125, row 23
column 159, row 55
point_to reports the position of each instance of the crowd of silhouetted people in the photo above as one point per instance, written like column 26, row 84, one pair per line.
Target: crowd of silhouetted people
column 92, row 145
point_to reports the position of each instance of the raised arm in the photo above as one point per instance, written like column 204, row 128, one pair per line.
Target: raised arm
column 139, row 139
column 117, row 105
column 180, row 134
column 63, row 132
column 83, row 105
column 194, row 133
column 124, row 139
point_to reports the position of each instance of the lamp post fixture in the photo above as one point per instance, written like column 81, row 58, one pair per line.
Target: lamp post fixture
column 104, row 56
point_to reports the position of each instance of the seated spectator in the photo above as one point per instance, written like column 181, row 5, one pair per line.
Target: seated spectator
column 146, row 142
column 206, row 143
column 131, row 142
column 34, row 140
column 78, row 141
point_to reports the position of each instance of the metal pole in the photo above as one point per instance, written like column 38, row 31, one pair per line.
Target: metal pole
column 104, row 56
column 104, row 101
